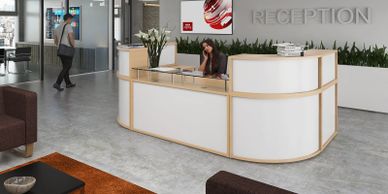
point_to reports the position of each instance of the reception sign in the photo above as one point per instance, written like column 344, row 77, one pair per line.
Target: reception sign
column 207, row 17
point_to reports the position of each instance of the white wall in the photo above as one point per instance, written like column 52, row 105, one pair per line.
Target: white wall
column 32, row 21
column 374, row 33
column 94, row 22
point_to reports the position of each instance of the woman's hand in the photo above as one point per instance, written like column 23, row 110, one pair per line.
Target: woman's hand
column 205, row 55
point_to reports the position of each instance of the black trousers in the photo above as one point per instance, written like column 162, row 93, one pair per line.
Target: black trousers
column 67, row 63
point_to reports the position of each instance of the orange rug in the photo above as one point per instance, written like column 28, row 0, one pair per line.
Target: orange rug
column 96, row 181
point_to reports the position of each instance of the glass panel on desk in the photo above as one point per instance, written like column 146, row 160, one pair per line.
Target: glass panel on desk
column 182, row 76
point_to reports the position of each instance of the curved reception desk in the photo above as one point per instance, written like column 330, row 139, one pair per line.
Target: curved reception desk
column 271, row 110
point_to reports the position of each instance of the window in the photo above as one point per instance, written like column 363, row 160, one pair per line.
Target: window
column 7, row 5
column 8, row 30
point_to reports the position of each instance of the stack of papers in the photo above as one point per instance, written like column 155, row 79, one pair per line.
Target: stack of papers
column 289, row 50
column 193, row 73
column 164, row 69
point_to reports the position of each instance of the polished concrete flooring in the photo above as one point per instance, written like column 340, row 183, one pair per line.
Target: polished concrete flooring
column 34, row 73
column 81, row 123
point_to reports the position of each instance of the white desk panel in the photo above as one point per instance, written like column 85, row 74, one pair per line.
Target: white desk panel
column 328, row 68
column 275, row 76
column 275, row 129
column 124, row 63
column 124, row 102
column 192, row 117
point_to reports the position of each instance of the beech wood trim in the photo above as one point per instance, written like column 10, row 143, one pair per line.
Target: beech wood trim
column 126, row 49
column 131, row 104
column 336, row 94
column 274, row 57
column 121, row 123
column 320, row 103
column 230, row 126
column 123, row 77
column 230, row 73
column 309, row 156
column 283, row 95
column 329, row 140
column 29, row 150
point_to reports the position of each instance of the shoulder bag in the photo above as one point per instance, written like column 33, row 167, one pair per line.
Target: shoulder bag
column 64, row 50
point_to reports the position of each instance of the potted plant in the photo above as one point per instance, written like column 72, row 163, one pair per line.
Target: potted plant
column 154, row 40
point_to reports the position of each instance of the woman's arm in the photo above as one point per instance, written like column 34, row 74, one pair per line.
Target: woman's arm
column 204, row 59
column 223, row 63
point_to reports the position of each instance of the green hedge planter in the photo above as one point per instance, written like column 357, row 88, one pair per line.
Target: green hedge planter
column 347, row 55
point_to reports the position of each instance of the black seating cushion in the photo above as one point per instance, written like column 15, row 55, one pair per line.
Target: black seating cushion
column 20, row 59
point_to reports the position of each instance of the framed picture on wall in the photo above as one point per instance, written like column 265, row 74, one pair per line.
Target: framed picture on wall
column 207, row 17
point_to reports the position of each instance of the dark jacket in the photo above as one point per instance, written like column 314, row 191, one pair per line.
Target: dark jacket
column 219, row 67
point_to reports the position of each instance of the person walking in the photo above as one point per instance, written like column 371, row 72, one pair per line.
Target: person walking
column 64, row 38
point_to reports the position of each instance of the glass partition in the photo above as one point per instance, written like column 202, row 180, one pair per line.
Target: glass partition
column 91, row 26
column 19, row 41
column 54, row 10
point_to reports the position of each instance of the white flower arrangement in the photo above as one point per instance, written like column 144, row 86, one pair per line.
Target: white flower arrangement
column 154, row 40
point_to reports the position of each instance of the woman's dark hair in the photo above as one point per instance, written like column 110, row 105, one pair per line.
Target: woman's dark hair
column 215, row 53
column 67, row 16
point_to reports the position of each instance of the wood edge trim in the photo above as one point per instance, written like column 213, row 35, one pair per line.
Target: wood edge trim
column 230, row 126
column 320, row 120
column 230, row 73
column 125, row 49
column 122, row 77
column 320, row 102
column 336, row 94
column 179, row 142
column 270, row 58
column 329, row 140
column 284, row 95
column 131, row 104
column 244, row 57
column 121, row 123
column 336, row 108
column 298, row 159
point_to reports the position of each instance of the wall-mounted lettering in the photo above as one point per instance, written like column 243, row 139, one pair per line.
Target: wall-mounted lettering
column 313, row 15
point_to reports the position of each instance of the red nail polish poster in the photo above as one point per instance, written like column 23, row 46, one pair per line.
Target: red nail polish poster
column 207, row 17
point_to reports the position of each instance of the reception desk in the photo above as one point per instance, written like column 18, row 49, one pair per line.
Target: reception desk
column 271, row 110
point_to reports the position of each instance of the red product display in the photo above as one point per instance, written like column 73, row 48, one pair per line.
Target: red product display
column 218, row 13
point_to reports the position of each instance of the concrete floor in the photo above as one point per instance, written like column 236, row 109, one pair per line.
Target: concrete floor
column 81, row 123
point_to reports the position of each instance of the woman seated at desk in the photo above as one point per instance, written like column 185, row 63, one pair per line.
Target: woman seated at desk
column 213, row 62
